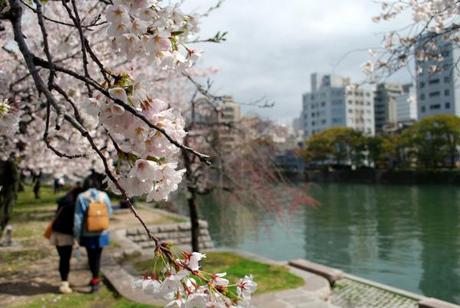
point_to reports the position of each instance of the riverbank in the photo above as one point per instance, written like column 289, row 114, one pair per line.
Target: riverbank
column 380, row 176
column 29, row 276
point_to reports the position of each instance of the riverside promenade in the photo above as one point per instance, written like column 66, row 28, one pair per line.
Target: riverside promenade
column 324, row 287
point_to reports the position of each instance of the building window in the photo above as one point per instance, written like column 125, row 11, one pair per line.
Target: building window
column 422, row 84
column 422, row 97
column 350, row 110
column 447, row 79
column 323, row 122
column 434, row 81
column 323, row 104
column 312, row 114
column 435, row 107
column 435, row 93
column 447, row 105
column 445, row 53
column 447, row 92
column 423, row 109
column 313, row 123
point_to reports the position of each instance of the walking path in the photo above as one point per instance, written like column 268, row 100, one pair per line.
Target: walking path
column 312, row 295
column 349, row 293
column 28, row 271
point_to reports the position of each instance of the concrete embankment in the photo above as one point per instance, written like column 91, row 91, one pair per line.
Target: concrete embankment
column 324, row 286
column 376, row 176
column 352, row 291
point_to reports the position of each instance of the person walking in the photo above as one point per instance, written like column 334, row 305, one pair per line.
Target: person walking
column 62, row 234
column 37, row 181
column 92, row 212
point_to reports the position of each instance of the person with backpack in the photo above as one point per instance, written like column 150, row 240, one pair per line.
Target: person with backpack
column 62, row 234
column 91, row 222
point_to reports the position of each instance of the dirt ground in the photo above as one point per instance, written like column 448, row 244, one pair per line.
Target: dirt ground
column 37, row 274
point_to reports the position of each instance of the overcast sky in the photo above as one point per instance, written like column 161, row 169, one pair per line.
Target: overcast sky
column 273, row 46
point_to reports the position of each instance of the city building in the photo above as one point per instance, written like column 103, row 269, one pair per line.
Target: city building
column 406, row 105
column 437, row 83
column 335, row 102
column 385, row 105
column 230, row 110
column 223, row 116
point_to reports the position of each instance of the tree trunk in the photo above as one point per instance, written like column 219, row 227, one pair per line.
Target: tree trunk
column 9, row 182
column 193, row 210
column 191, row 200
column 453, row 153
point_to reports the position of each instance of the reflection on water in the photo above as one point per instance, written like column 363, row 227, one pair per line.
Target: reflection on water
column 404, row 236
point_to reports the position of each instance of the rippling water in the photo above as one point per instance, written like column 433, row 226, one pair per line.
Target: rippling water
column 404, row 236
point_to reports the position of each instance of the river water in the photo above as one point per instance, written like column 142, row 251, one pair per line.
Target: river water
column 404, row 236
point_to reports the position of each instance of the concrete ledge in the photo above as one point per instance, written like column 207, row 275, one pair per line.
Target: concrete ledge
column 429, row 302
column 331, row 274
column 121, row 281
column 129, row 248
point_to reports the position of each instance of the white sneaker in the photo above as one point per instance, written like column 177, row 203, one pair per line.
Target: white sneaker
column 64, row 288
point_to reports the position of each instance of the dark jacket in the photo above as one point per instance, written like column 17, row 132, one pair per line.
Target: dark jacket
column 63, row 222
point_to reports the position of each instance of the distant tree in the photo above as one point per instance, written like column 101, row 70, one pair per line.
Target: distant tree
column 340, row 144
column 374, row 146
column 8, row 192
column 434, row 140
column 318, row 148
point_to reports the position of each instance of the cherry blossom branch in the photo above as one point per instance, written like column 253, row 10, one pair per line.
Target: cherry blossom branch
column 59, row 22
column 47, row 142
column 69, row 100
column 76, row 21
column 15, row 18
column 43, row 63
column 45, row 42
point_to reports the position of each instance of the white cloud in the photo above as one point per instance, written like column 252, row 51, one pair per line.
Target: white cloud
column 274, row 46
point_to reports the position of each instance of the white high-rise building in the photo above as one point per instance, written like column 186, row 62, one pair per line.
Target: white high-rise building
column 406, row 105
column 334, row 102
column 437, row 82
column 385, row 104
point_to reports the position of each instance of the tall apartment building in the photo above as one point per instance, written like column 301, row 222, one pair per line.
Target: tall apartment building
column 230, row 110
column 335, row 102
column 385, row 105
column 225, row 119
column 406, row 105
column 438, row 91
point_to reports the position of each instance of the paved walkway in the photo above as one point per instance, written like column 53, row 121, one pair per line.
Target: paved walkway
column 348, row 293
column 313, row 295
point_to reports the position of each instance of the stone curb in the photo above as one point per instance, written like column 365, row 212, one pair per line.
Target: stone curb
column 331, row 274
column 120, row 280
